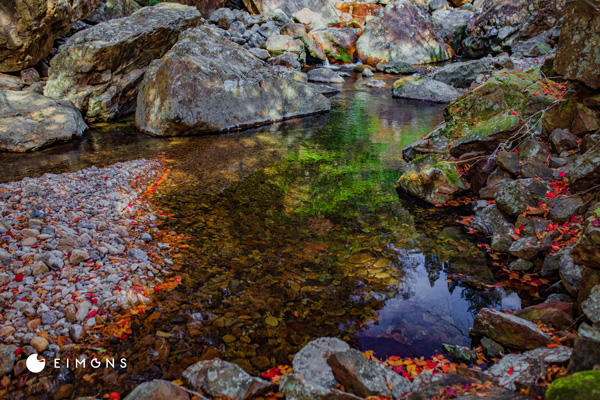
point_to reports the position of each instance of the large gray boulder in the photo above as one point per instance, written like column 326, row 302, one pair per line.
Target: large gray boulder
column 391, row 36
column 425, row 89
column 99, row 68
column 30, row 121
column 206, row 83
column 450, row 21
column 513, row 197
column 29, row 28
column 222, row 378
column 157, row 389
column 461, row 74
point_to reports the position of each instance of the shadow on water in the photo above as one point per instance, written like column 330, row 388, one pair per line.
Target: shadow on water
column 296, row 232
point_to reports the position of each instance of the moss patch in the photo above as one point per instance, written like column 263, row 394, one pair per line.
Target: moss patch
column 584, row 385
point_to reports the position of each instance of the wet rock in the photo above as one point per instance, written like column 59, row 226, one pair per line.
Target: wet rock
column 425, row 89
column 99, row 68
column 436, row 183
column 583, row 171
column 221, row 378
column 563, row 140
column 339, row 44
column 137, row 254
column 238, row 79
column 157, row 389
column 10, row 82
column 591, row 305
column 587, row 249
column 311, row 361
column 324, row 75
column 460, row 354
column 7, row 358
column 461, row 74
column 489, row 220
column 29, row 30
column 396, row 67
column 586, row 355
column 365, row 377
column 534, row 168
column 111, row 9
column 513, row 197
column 29, row 121
column 279, row 44
column 583, row 385
column 520, row 265
column 528, row 367
column 491, row 348
column 570, row 274
column 528, row 247
column 556, row 314
column 563, row 208
column 295, row 387
column 578, row 52
column 509, row 330
column 389, row 36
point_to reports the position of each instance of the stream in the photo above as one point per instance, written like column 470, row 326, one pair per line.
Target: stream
column 296, row 232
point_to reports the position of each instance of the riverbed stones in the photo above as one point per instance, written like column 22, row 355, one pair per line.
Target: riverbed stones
column 591, row 305
column 99, row 69
column 390, row 36
column 324, row 75
column 311, row 361
column 39, row 343
column 7, row 358
column 527, row 368
column 222, row 378
column 237, row 90
column 578, row 52
column 29, row 29
column 157, row 389
column 509, row 330
column 29, row 121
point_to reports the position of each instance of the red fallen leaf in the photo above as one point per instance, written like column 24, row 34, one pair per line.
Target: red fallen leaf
column 157, row 288
column 177, row 279
column 562, row 174
column 76, row 219
column 92, row 313
column 18, row 351
column 19, row 277
column 9, row 233
column 510, row 370
column 596, row 223
column 114, row 396
column 94, row 300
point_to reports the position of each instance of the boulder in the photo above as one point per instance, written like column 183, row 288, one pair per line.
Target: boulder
column 237, row 89
column 586, row 354
column 295, row 387
column 111, row 9
column 279, row 44
column 10, row 82
column 503, row 22
column 290, row 7
column 489, row 220
column 311, row 19
column 425, row 89
column 157, row 389
column 513, row 197
column 514, row 370
column 564, row 207
column 528, row 247
column 29, row 29
column 509, row 330
column 583, row 171
column 451, row 22
column 591, row 305
column 509, row 161
column 365, row 377
column 311, row 361
column 339, row 44
column 99, row 68
column 584, row 385
column 324, row 75
column 390, row 36
column 436, row 183
column 578, row 53
column 287, row 60
column 222, row 378
column 30, row 121
column 461, row 74
column 556, row 314
column 460, row 354
column 396, row 67
column 563, row 140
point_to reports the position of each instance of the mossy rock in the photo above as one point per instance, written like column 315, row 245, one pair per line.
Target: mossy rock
column 584, row 385
column 434, row 183
column 403, row 81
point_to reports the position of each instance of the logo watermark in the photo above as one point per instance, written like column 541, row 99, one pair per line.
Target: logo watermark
column 37, row 365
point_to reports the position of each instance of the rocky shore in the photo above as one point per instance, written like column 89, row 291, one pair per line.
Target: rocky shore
column 75, row 248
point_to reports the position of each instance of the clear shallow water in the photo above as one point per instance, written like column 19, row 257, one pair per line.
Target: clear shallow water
column 297, row 232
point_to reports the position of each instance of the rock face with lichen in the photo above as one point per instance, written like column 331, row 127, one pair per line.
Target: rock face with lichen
column 29, row 121
column 339, row 44
column 29, row 28
column 402, row 31
column 578, row 53
column 207, row 83
column 99, row 69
